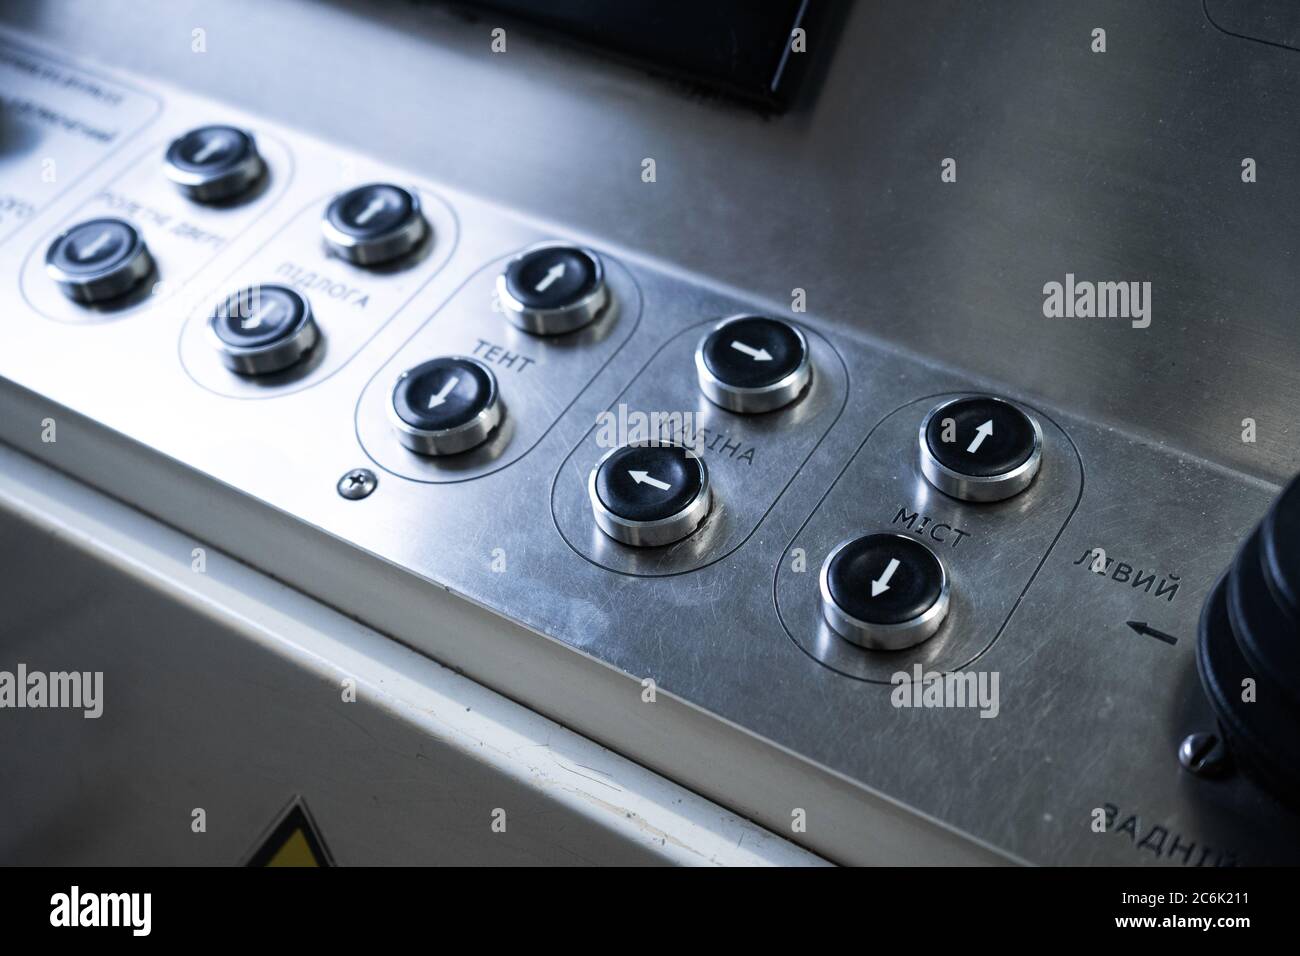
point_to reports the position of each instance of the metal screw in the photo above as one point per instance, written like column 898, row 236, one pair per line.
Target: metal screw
column 357, row 484
column 1203, row 754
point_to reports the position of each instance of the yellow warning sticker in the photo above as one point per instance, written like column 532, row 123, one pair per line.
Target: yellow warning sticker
column 294, row 840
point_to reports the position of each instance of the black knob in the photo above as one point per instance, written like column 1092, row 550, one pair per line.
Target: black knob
column 553, row 288
column 214, row 163
column 263, row 329
column 751, row 364
column 98, row 260
column 374, row 224
column 884, row 591
column 1248, row 652
column 445, row 406
column 980, row 448
column 648, row 495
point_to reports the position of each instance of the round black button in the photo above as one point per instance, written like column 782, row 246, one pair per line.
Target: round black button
column 980, row 448
column 372, row 210
column 374, row 223
column 885, row 578
column 214, row 162
column 884, row 591
column 98, row 259
column 552, row 277
column 987, row 437
column 210, row 148
column 753, row 352
column 648, row 482
column 94, row 246
column 263, row 329
column 649, row 495
column 445, row 406
column 259, row 316
column 552, row 288
column 753, row 364
column 444, row 394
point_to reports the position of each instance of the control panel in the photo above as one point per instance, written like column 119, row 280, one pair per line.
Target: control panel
column 916, row 586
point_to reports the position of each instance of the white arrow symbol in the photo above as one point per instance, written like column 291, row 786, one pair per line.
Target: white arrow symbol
column 881, row 584
column 447, row 386
column 375, row 207
column 643, row 478
column 758, row 355
column 90, row 251
column 981, row 433
column 213, row 146
column 255, row 320
column 555, row 272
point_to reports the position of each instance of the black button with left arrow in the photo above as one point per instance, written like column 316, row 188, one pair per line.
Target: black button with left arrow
column 649, row 494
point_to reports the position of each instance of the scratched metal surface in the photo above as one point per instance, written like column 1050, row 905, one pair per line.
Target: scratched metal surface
column 1090, row 713
column 402, row 775
column 1117, row 166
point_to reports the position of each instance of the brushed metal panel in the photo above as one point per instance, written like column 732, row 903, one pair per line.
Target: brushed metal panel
column 1123, row 165
column 539, row 376
column 183, row 236
column 82, row 115
column 987, row 549
column 350, row 303
column 752, row 459
column 853, row 212
column 221, row 690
